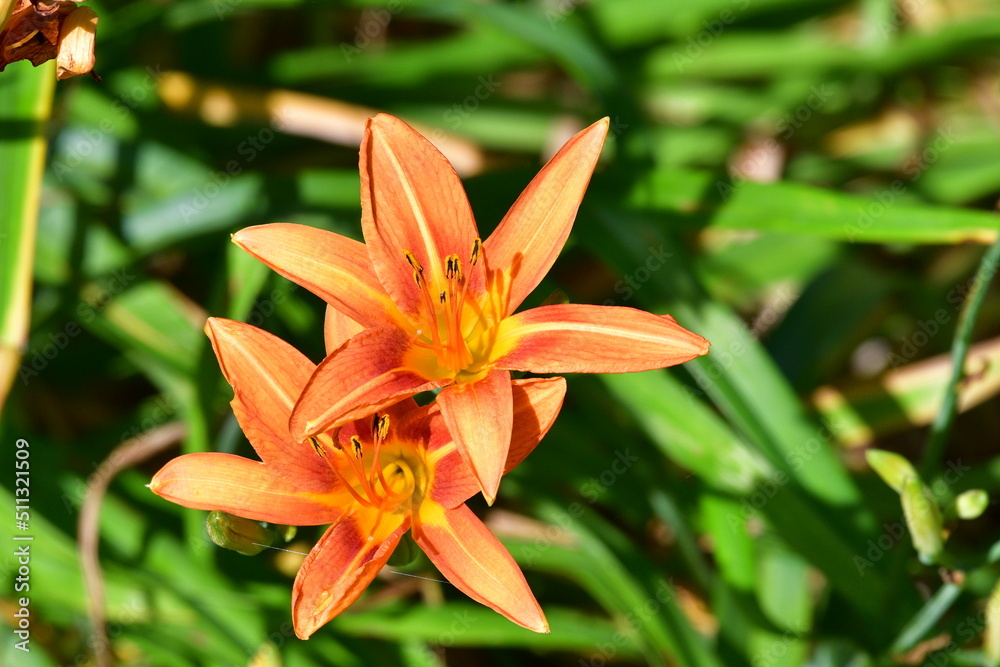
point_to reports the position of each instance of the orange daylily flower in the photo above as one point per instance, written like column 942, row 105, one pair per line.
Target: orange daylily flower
column 425, row 304
column 372, row 480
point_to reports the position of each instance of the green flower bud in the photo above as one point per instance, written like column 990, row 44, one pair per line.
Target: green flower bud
column 923, row 518
column 892, row 468
column 971, row 504
column 244, row 536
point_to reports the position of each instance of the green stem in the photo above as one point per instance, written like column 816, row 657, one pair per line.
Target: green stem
column 959, row 351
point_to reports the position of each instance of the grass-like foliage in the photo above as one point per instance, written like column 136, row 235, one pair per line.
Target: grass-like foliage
column 811, row 186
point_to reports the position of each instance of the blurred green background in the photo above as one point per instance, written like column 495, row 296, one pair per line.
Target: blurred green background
column 810, row 185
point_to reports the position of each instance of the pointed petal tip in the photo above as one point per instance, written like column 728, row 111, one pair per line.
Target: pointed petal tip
column 301, row 632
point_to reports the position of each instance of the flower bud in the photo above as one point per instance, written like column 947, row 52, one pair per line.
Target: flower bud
column 972, row 503
column 244, row 536
column 891, row 467
column 923, row 518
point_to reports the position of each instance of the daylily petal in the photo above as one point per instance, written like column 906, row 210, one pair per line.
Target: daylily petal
column 572, row 338
column 529, row 238
column 233, row 484
column 536, row 405
column 341, row 565
column 333, row 267
column 364, row 375
column 267, row 375
column 478, row 415
column 471, row 558
column 338, row 329
column 412, row 200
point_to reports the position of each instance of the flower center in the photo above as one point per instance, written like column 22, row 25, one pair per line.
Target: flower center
column 390, row 479
column 451, row 317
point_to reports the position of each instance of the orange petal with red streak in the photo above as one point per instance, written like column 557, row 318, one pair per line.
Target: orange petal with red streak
column 267, row 375
column 233, row 484
column 529, row 238
column 412, row 200
column 572, row 338
column 536, row 405
column 342, row 565
column 479, row 418
column 471, row 558
column 333, row 267
column 366, row 374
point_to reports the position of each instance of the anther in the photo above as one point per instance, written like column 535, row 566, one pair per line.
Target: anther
column 477, row 246
column 452, row 268
column 443, row 297
column 381, row 427
column 412, row 261
column 357, row 446
column 318, row 448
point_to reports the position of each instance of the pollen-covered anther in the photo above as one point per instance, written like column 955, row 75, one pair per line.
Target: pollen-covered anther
column 380, row 427
column 453, row 268
column 477, row 247
column 418, row 271
column 358, row 453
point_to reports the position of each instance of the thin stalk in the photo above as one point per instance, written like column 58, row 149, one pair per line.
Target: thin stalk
column 959, row 351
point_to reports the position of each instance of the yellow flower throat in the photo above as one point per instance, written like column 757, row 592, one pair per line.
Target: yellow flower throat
column 391, row 479
column 451, row 341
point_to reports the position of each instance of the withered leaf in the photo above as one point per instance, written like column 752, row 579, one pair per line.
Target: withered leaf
column 39, row 31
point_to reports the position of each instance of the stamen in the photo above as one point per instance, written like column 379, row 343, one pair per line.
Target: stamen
column 381, row 427
column 359, row 470
column 412, row 261
column 453, row 268
column 380, row 431
column 318, row 448
column 347, row 485
column 418, row 278
column 443, row 297
column 477, row 246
